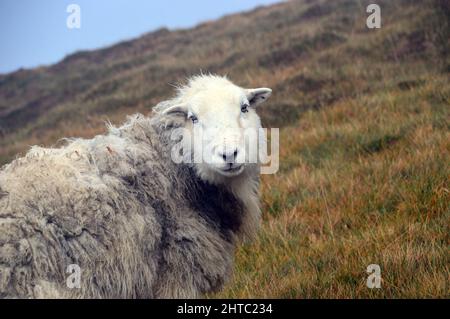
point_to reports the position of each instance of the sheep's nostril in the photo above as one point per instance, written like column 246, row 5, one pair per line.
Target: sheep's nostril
column 229, row 157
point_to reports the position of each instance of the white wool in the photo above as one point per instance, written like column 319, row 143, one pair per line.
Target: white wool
column 216, row 102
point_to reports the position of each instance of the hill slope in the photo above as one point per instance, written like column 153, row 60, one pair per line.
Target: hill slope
column 364, row 140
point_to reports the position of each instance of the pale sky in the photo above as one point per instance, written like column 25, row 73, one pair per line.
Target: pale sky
column 34, row 33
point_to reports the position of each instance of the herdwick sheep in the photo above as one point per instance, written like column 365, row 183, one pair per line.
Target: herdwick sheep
column 135, row 223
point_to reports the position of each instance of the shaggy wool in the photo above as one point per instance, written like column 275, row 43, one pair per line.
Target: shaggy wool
column 137, row 224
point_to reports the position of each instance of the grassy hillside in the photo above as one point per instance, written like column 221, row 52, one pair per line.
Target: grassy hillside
column 365, row 139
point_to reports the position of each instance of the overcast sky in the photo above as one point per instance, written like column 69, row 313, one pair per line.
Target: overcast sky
column 34, row 33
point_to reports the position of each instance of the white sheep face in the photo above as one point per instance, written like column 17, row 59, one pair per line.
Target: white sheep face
column 222, row 129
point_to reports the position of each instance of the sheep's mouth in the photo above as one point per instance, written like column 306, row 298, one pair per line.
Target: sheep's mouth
column 232, row 170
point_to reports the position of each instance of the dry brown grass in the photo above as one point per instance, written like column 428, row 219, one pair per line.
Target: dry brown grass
column 364, row 181
column 341, row 207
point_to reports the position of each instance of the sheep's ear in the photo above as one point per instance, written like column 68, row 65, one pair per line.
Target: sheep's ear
column 258, row 96
column 179, row 109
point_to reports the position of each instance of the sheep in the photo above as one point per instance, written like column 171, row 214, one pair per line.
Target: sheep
column 132, row 221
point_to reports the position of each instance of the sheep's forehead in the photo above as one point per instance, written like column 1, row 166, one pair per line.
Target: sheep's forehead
column 218, row 99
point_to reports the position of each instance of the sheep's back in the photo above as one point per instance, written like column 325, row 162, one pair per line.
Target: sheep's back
column 59, row 207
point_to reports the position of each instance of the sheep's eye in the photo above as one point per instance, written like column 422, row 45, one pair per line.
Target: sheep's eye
column 244, row 108
column 194, row 119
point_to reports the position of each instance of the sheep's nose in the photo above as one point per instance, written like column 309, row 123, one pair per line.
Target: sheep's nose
column 229, row 156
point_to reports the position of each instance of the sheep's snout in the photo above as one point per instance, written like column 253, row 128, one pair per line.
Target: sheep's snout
column 228, row 159
column 229, row 156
